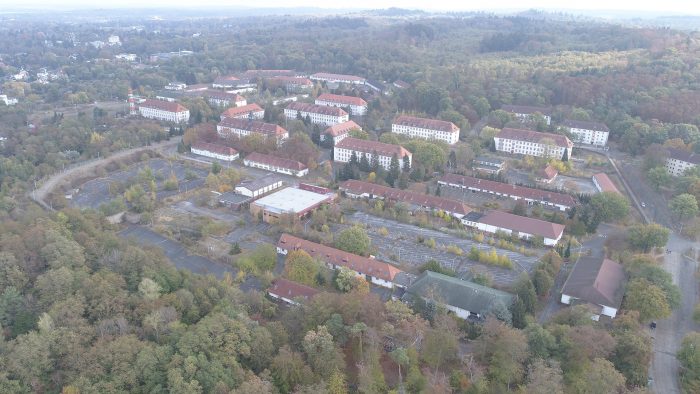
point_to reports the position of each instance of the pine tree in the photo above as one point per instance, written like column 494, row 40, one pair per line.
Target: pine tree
column 452, row 161
column 567, row 252
column 406, row 164
column 437, row 190
column 375, row 161
column 353, row 159
column 394, row 170
column 364, row 164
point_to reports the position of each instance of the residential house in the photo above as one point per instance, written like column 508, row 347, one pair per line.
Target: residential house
column 597, row 282
column 224, row 99
column 533, row 143
column 344, row 150
column 527, row 113
column 679, row 160
column 247, row 111
column 356, row 105
column 318, row 114
column 428, row 129
column 214, row 151
column 338, row 78
column 290, row 292
column 603, row 183
column 164, row 111
column 241, row 128
column 522, row 226
column 547, row 175
column 291, row 84
column 276, row 164
column 339, row 131
column 588, row 133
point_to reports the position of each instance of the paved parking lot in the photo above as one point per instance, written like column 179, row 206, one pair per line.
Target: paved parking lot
column 96, row 192
column 401, row 242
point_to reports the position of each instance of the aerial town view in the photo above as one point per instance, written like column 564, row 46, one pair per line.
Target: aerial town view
column 370, row 197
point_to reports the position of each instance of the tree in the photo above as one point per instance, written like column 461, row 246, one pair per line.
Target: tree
column 215, row 168
column 406, row 166
column 689, row 358
column 684, row 206
column 403, row 181
column 647, row 236
column 347, row 281
column 337, row 383
column 610, row 206
column 400, row 358
column 364, row 164
column 525, row 290
column 354, row 240
column 658, row 176
column 544, row 378
column 648, row 299
column 503, row 350
column 321, row 352
column 302, row 268
column 600, row 376
column 632, row 356
column 394, row 170
column 289, row 370
column 441, row 344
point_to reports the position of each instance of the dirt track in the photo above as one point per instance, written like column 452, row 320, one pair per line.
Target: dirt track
column 49, row 185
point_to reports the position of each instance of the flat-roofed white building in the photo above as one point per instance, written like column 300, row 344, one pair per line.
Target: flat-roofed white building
column 588, row 133
column 259, row 187
column 214, row 151
column 343, row 151
column 319, row 114
column 533, row 143
column 276, row 164
column 164, row 110
column 428, row 129
column 357, row 106
column 289, row 201
column 241, row 128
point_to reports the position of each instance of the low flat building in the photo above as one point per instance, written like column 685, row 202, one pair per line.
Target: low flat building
column 427, row 129
column 230, row 127
column 248, row 111
column 532, row 196
column 233, row 200
column 318, row 114
column 338, row 78
column 588, row 133
column 533, row 143
column 164, row 111
column 527, row 113
column 214, row 151
column 344, row 150
column 291, row 292
column 465, row 299
column 488, row 165
column 360, row 189
column 339, row 131
column 276, row 164
column 678, row 161
column 290, row 201
column 374, row 271
column 522, row 226
column 356, row 105
column 259, row 187
column 224, row 99
column 603, row 183
column 547, row 175
column 597, row 282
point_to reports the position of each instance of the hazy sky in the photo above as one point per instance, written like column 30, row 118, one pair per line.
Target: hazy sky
column 667, row 6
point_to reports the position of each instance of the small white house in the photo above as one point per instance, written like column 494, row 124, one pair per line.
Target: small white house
column 597, row 282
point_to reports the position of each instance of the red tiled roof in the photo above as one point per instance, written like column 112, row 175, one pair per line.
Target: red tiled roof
column 288, row 289
column 344, row 100
column 364, row 265
column 238, row 111
column 275, row 161
column 548, row 172
column 605, row 183
column 215, row 148
column 342, row 128
column 526, row 109
column 434, row 202
column 424, row 123
column 317, row 109
column 163, row 105
column 337, row 77
column 597, row 280
column 511, row 190
column 291, row 80
column 218, row 94
column 523, row 224
column 367, row 146
column 534, row 136
column 253, row 126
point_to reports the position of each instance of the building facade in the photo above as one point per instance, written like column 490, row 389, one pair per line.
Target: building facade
column 258, row 187
column 164, row 111
column 338, row 78
column 588, row 133
column 343, row 151
column 521, row 226
column 428, row 129
column 214, row 151
column 275, row 164
column 597, row 282
column 248, row 111
column 224, row 99
column 241, row 128
column 679, row 161
column 339, row 131
column 318, row 114
column 357, row 106
column 533, row 143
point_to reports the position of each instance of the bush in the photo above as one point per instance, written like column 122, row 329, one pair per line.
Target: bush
column 454, row 249
column 434, row 266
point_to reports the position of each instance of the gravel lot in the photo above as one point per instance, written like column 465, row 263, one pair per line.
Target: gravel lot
column 402, row 243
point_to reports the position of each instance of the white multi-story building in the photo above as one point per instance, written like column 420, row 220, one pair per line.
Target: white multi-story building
column 319, row 114
column 429, row 129
column 678, row 161
column 357, row 106
column 342, row 152
column 127, row 57
column 527, row 113
column 224, row 99
column 339, row 131
column 164, row 110
column 240, row 128
column 113, row 40
column 8, row 100
column 248, row 111
column 588, row 133
column 214, row 151
column 176, row 86
column 338, row 78
column 533, row 143
column 276, row 164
